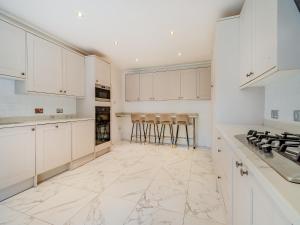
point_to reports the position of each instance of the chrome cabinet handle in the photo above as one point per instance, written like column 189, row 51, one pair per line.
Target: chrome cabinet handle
column 244, row 172
column 219, row 150
column 60, row 91
column 33, row 129
column 56, row 126
column 238, row 164
column 219, row 138
column 65, row 91
column 23, row 73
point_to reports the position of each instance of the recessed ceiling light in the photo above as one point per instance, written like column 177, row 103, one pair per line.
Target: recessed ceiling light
column 79, row 14
column 136, row 59
column 172, row 32
column 179, row 54
column 116, row 42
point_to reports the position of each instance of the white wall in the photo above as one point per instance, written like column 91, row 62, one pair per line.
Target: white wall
column 12, row 104
column 204, row 123
column 284, row 95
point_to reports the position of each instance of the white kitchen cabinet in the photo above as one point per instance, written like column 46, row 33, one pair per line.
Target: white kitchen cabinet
column 242, row 193
column 12, row 54
column 188, row 81
column 132, row 87
column 102, row 72
column 167, row 85
column 44, row 66
column 73, row 74
column 264, row 211
column 204, row 83
column 146, row 87
column 273, row 31
column 83, row 138
column 53, row 146
column 246, row 42
column 17, row 155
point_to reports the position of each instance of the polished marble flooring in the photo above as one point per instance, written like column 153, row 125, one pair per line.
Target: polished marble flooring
column 133, row 184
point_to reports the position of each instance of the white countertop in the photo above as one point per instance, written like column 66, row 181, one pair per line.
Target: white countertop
column 285, row 194
column 38, row 120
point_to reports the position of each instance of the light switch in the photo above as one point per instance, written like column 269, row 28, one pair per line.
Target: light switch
column 274, row 114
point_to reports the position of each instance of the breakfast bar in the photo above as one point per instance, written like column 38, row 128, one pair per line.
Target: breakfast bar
column 192, row 121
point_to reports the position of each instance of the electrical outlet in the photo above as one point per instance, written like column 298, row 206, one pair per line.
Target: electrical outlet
column 59, row 110
column 39, row 110
column 274, row 114
column 297, row 115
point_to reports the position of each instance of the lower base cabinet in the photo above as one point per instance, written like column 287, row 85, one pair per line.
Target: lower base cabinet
column 246, row 201
column 17, row 155
column 83, row 138
column 53, row 146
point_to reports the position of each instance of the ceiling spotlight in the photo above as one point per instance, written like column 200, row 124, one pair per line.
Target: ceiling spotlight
column 172, row 33
column 179, row 54
column 136, row 59
column 79, row 14
column 116, row 43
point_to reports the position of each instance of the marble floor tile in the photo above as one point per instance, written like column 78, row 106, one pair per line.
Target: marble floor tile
column 134, row 184
column 61, row 207
column 103, row 210
column 11, row 217
column 33, row 197
column 154, row 216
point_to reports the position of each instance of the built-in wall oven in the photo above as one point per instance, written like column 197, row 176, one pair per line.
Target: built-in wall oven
column 102, row 124
column 102, row 93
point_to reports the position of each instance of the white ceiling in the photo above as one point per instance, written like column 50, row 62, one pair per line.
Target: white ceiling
column 141, row 27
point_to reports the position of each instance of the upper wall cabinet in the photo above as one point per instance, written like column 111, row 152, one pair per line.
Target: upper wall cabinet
column 188, row 80
column 132, row 84
column 73, row 73
column 102, row 72
column 44, row 66
column 269, row 39
column 146, row 87
column 167, row 85
column 188, row 84
column 204, row 83
column 12, row 54
column 52, row 69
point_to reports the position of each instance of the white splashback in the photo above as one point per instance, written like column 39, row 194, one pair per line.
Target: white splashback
column 284, row 95
column 12, row 105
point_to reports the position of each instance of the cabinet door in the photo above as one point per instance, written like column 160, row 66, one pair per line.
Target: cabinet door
column 73, row 74
column 264, row 210
column 53, row 146
column 146, row 87
column 265, row 36
column 17, row 155
column 83, row 138
column 246, row 42
column 44, row 66
column 132, row 87
column 241, row 196
column 188, row 81
column 204, row 83
column 12, row 54
column 102, row 72
column 166, row 85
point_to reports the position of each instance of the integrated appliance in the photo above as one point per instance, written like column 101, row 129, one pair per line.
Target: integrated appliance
column 279, row 151
column 102, row 124
column 102, row 93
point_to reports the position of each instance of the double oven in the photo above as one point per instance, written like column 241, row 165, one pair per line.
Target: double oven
column 102, row 111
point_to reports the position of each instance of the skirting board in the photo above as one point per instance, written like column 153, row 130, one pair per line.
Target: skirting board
column 80, row 162
column 15, row 189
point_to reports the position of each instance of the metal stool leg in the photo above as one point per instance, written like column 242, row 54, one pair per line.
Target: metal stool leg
column 161, row 130
column 150, row 133
column 132, row 132
column 187, row 135
column 163, row 134
column 146, row 132
column 154, row 133
column 157, row 133
column 171, row 133
column 176, row 135
column 140, row 132
column 136, row 132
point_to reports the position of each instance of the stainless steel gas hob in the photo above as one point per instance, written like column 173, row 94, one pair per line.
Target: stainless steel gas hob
column 279, row 151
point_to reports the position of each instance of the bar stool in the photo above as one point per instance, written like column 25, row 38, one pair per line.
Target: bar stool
column 137, row 119
column 182, row 119
column 151, row 119
column 166, row 119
